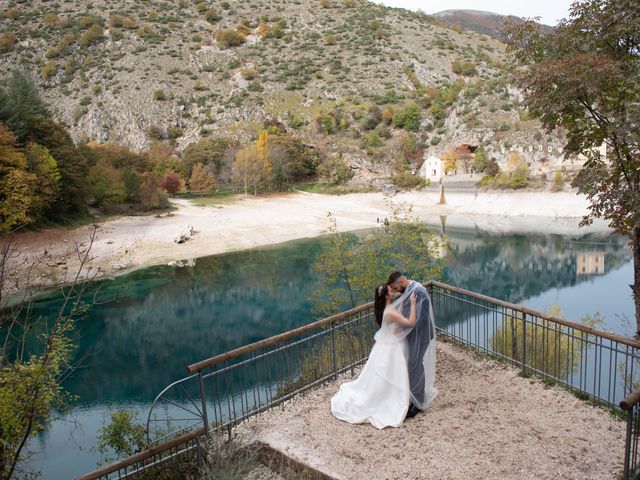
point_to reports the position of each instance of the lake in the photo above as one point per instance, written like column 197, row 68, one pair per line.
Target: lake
column 151, row 323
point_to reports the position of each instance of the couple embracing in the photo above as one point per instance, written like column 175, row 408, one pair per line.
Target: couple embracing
column 397, row 382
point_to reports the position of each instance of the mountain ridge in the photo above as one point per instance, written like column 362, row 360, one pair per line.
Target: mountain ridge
column 336, row 74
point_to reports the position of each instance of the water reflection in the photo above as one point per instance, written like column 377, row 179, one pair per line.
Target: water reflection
column 164, row 318
column 590, row 263
column 517, row 267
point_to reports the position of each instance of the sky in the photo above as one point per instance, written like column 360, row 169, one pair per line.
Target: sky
column 550, row 11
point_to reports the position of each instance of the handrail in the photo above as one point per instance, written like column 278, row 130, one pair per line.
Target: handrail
column 198, row 366
column 155, row 400
column 519, row 308
column 267, row 342
column 138, row 457
column 630, row 400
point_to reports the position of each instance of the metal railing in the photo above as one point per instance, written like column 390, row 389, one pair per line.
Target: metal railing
column 171, row 459
column 229, row 388
column 602, row 366
column 249, row 380
column 631, row 405
column 226, row 389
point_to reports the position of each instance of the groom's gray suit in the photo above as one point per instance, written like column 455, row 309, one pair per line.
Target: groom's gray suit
column 418, row 340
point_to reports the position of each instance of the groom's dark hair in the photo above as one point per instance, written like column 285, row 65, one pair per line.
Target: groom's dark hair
column 393, row 277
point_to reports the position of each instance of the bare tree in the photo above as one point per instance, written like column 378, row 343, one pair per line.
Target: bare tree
column 36, row 354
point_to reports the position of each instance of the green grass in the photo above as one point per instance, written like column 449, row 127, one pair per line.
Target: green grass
column 210, row 199
column 333, row 189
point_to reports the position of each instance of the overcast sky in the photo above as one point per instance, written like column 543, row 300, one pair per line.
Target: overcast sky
column 550, row 11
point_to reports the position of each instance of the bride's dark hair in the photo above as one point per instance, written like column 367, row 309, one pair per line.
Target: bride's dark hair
column 379, row 302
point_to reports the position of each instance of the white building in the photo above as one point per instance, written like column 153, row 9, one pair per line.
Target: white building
column 433, row 169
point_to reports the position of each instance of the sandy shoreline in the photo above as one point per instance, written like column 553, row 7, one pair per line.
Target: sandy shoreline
column 129, row 243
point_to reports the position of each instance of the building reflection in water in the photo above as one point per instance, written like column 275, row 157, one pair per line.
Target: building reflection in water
column 590, row 263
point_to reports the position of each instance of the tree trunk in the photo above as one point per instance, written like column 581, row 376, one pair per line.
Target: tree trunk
column 635, row 243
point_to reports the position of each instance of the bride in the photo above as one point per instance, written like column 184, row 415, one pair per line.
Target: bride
column 381, row 394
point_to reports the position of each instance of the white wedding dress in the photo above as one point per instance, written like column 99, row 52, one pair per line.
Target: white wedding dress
column 381, row 394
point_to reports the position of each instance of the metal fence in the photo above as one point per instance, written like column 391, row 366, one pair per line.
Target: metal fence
column 244, row 382
column 229, row 388
column 631, row 405
column 593, row 363
column 166, row 461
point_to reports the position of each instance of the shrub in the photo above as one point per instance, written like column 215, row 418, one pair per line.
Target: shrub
column 409, row 118
column 387, row 116
column 401, row 175
column 7, row 42
column 248, row 73
column 492, row 168
column 229, row 38
column 468, row 69
column 159, row 95
column 383, row 131
column 371, row 140
column 558, row 182
column 93, row 35
column 50, row 19
column 129, row 23
column 335, row 170
column 174, row 132
column 211, row 16
column 171, row 183
column 156, row 133
column 519, row 178
column 116, row 21
column 243, row 29
column 132, row 183
column 480, row 161
column 48, row 70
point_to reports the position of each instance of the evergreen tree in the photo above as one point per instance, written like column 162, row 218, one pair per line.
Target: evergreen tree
column 20, row 104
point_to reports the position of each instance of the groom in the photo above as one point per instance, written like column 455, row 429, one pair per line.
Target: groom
column 418, row 339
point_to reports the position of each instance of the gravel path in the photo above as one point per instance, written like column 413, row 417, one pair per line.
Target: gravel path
column 487, row 422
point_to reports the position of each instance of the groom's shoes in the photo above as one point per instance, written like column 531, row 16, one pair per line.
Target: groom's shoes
column 412, row 412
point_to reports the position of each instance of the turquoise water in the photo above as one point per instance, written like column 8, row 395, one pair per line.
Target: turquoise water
column 153, row 322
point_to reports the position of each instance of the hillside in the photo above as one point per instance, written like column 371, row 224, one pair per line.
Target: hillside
column 348, row 76
column 487, row 23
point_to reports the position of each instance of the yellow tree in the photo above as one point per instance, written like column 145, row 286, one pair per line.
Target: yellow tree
column 450, row 159
column 201, row 180
column 263, row 155
column 17, row 185
column 514, row 160
column 45, row 167
column 244, row 166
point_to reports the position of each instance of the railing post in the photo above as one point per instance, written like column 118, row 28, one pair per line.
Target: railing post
column 333, row 349
column 627, row 443
column 524, row 344
column 203, row 399
column 514, row 340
